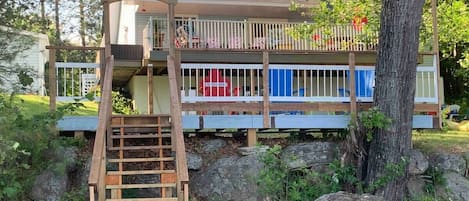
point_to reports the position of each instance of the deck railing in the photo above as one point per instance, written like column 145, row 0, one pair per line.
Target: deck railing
column 76, row 80
column 177, row 137
column 226, row 34
column 289, row 83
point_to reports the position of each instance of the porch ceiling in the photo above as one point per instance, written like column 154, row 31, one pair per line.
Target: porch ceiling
column 259, row 9
column 123, row 71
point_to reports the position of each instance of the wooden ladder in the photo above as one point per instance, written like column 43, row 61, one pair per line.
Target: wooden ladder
column 139, row 148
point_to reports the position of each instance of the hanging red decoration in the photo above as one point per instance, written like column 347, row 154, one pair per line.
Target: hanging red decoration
column 316, row 37
column 358, row 22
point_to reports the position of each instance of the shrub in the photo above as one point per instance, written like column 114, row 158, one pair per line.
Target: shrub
column 23, row 141
column 121, row 104
column 277, row 182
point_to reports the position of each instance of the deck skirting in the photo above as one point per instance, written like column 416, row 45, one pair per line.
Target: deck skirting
column 282, row 121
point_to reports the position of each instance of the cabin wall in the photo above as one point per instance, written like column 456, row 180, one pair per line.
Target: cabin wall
column 138, row 90
column 33, row 58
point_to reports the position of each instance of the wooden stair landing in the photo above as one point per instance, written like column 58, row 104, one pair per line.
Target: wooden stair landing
column 140, row 163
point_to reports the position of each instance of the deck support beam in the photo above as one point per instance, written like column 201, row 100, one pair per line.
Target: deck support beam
column 150, row 88
column 436, row 52
column 265, row 93
column 251, row 137
column 52, row 81
column 79, row 134
column 353, row 95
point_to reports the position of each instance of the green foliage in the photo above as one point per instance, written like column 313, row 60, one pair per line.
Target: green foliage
column 338, row 12
column 433, row 178
column 392, row 172
column 19, row 15
column 23, row 142
column 75, row 195
column 426, row 198
column 277, row 183
column 121, row 104
column 372, row 119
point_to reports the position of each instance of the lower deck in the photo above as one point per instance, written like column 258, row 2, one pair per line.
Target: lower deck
column 281, row 121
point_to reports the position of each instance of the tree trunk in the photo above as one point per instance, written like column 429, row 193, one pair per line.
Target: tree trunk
column 58, row 41
column 395, row 91
column 82, row 23
column 43, row 10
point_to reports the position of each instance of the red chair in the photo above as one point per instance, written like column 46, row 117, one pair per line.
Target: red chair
column 215, row 85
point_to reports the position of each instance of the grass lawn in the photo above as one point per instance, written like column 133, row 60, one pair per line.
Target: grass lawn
column 440, row 141
column 33, row 104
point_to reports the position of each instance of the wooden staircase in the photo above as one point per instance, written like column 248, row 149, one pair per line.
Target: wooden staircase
column 138, row 157
column 141, row 165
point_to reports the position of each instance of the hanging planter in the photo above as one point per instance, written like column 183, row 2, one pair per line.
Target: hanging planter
column 358, row 22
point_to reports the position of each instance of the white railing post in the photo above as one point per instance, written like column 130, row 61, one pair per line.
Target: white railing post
column 151, row 34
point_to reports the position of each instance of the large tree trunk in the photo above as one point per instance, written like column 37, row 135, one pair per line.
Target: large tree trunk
column 58, row 41
column 395, row 91
column 82, row 23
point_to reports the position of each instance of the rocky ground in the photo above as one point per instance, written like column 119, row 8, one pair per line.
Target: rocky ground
column 220, row 170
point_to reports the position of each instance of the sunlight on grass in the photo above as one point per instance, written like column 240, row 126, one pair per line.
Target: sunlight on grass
column 450, row 141
column 33, row 104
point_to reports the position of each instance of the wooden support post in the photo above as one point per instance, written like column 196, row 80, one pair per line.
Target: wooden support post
column 177, row 66
column 150, row 88
column 172, row 29
column 52, row 81
column 107, row 29
column 353, row 96
column 265, row 93
column 436, row 50
column 186, row 192
column 102, row 177
column 173, row 98
column 102, row 67
column 252, row 137
column 79, row 135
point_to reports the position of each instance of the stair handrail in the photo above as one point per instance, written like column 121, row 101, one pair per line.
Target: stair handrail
column 97, row 177
column 177, row 136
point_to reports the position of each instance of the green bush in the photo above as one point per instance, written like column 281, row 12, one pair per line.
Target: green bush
column 23, row 142
column 278, row 183
column 121, row 104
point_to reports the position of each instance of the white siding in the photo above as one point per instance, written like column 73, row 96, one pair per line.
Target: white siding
column 34, row 58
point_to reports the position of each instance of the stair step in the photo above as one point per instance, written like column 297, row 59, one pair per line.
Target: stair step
column 136, row 160
column 139, row 136
column 138, row 172
column 144, row 199
column 140, row 147
column 139, row 125
column 128, row 186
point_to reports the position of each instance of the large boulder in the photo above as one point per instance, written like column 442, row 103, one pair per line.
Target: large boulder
column 49, row 186
column 344, row 196
column 211, row 146
column 418, row 163
column 194, row 161
column 316, row 155
column 232, row 178
column 415, row 188
column 52, row 183
column 457, row 187
column 449, row 162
